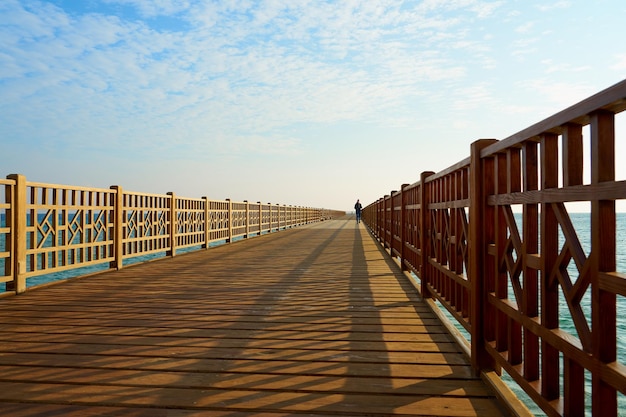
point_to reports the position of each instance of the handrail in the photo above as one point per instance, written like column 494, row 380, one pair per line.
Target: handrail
column 49, row 228
column 507, row 278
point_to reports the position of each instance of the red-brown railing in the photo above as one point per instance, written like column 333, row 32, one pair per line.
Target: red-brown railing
column 457, row 231
column 48, row 228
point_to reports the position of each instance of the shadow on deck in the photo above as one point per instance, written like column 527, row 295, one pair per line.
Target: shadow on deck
column 314, row 320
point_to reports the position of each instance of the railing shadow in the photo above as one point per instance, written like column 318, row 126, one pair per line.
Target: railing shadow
column 227, row 333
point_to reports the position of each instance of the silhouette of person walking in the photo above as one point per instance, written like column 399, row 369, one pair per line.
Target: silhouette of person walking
column 357, row 209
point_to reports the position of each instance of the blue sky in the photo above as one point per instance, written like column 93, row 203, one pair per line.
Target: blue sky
column 313, row 103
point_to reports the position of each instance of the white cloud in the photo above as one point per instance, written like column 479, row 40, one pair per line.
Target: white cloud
column 557, row 94
column 555, row 5
column 620, row 62
column 141, row 72
column 155, row 8
column 474, row 97
column 526, row 27
column 551, row 66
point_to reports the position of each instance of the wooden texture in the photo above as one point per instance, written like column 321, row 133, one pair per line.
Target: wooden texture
column 313, row 320
column 53, row 228
column 516, row 287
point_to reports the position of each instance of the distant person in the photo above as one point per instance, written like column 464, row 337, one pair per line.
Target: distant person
column 357, row 209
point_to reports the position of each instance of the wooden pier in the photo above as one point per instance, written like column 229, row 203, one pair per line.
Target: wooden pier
column 314, row 321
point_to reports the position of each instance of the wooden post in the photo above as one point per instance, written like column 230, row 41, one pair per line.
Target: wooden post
column 207, row 223
column 18, row 234
column 260, row 218
column 230, row 221
column 118, row 228
column 500, row 238
column 480, row 358
column 247, row 219
column 173, row 225
column 424, row 233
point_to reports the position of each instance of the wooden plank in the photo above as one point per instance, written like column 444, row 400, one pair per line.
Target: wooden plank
column 252, row 400
column 225, row 353
column 225, row 380
column 314, row 320
column 213, row 343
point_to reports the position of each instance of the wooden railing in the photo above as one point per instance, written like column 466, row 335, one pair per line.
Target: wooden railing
column 491, row 238
column 48, row 228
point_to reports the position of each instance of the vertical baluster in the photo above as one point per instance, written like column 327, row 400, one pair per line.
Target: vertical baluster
column 550, row 374
column 530, row 224
column 603, row 303
column 574, row 375
column 513, row 178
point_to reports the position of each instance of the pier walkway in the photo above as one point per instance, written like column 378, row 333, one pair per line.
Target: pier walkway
column 314, row 320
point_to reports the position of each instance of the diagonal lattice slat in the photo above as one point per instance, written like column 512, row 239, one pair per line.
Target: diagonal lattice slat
column 75, row 228
column 45, row 229
column 147, row 223
column 161, row 224
column 131, row 224
column 99, row 226
column 512, row 261
column 572, row 249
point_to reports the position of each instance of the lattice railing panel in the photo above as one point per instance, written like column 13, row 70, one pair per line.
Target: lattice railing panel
column 556, row 312
column 239, row 219
column 274, row 216
column 448, row 257
column 67, row 227
column 266, row 217
column 146, row 223
column 219, row 221
column 396, row 224
column 412, row 228
column 282, row 216
column 254, row 218
column 190, row 222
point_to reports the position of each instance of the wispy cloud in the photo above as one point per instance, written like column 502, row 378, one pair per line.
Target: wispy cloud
column 620, row 62
column 244, row 67
column 549, row 6
column 204, row 79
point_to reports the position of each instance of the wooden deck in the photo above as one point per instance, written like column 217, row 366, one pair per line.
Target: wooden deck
column 310, row 321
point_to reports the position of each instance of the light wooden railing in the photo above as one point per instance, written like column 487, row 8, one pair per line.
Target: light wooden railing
column 508, row 284
column 48, row 228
